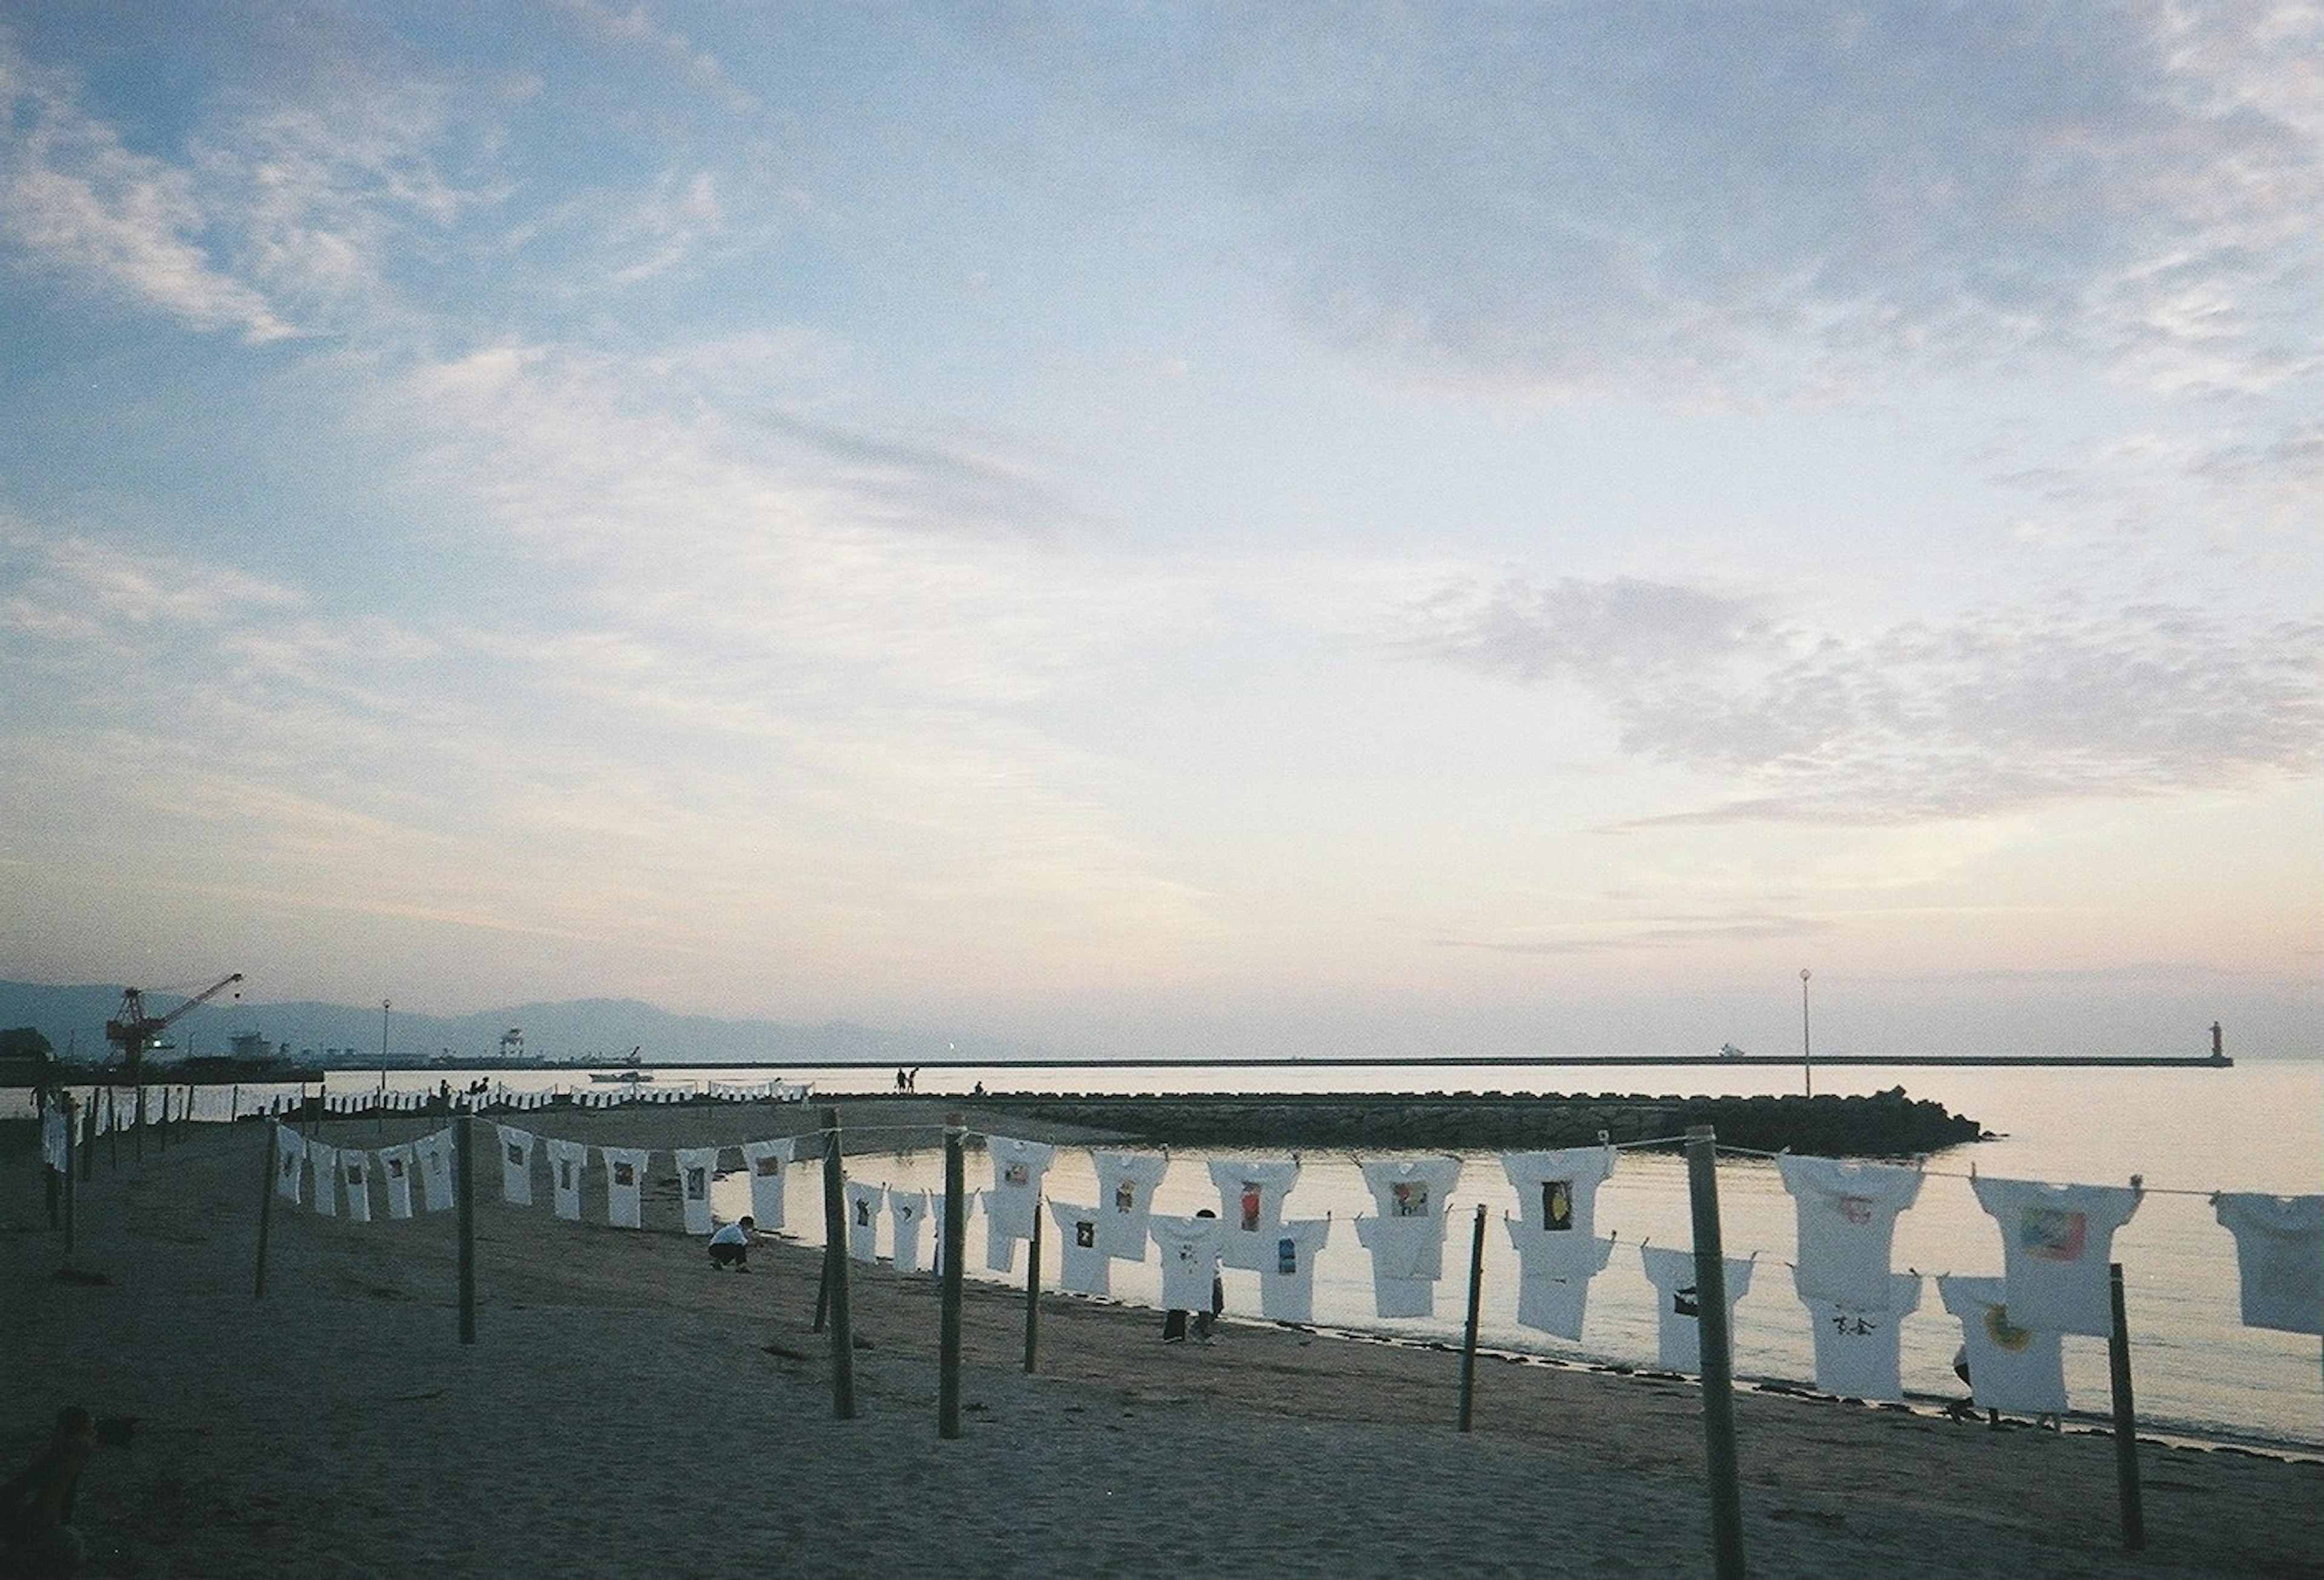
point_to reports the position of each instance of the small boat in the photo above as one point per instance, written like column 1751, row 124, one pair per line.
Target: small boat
column 1729, row 1051
column 629, row 1075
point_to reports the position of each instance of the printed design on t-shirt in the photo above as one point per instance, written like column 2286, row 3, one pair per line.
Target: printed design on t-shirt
column 1855, row 1209
column 2052, row 1233
column 863, row 1213
column 1850, row 1325
column 1286, row 1257
column 290, row 1164
column 1084, row 1232
column 769, row 1166
column 1015, row 1174
column 625, row 1173
column 1557, row 1204
column 1683, row 1302
column 356, row 1173
column 395, row 1168
column 2004, row 1334
column 1125, row 1196
column 564, row 1173
column 697, row 1182
column 1251, row 1204
column 516, row 1154
column 905, row 1212
column 1410, row 1197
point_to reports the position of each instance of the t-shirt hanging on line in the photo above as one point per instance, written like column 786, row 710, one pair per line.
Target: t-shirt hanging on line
column 1857, row 1347
column 1287, row 1278
column 354, row 1178
column 2279, row 1258
column 1415, row 1188
column 1553, row 1274
column 1083, row 1265
column 1404, row 1251
column 566, row 1159
column 516, row 1164
column 1678, row 1329
column 1847, row 1212
column 1126, row 1181
column 1017, row 1170
column 865, row 1205
column 1558, row 1191
column 435, row 1151
column 326, row 1164
column 768, row 1162
column 396, row 1164
column 696, row 1167
column 1190, row 1259
column 289, row 1160
column 2010, row 1368
column 2055, row 1243
column 908, row 1217
column 626, row 1184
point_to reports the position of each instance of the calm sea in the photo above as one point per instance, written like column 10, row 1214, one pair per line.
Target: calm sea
column 2188, row 1133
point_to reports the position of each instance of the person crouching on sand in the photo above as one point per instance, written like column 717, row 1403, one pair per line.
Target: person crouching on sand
column 731, row 1246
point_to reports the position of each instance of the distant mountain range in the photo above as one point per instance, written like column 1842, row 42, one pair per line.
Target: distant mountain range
column 344, row 1035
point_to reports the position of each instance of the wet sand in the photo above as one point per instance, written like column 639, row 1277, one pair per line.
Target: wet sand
column 626, row 1411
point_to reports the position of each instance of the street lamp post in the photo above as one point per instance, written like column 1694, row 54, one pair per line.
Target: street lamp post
column 1807, row 1057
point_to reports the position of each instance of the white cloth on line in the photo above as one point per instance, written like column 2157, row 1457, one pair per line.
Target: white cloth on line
column 354, row 1176
column 1558, row 1191
column 56, row 1149
column 1678, row 1329
column 1251, row 1204
column 324, row 1163
column 1083, row 1266
column 625, row 1182
column 2279, row 1258
column 2010, row 1368
column 1847, row 1211
column 1287, row 1279
column 1017, row 1170
column 2055, row 1243
column 768, row 1162
column 289, row 1160
column 1403, row 1250
column 435, row 1151
column 396, row 1164
column 1415, row 1188
column 1857, row 1347
column 516, row 1164
column 865, row 1205
column 1553, row 1274
column 1189, row 1248
column 907, row 1218
column 697, row 1167
column 567, row 1161
column 1126, row 1181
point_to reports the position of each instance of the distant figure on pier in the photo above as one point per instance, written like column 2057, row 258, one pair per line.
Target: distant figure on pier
column 901, row 1083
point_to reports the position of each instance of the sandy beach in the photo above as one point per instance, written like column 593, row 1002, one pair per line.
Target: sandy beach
column 626, row 1411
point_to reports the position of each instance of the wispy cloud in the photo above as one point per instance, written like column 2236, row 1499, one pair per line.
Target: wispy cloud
column 1992, row 712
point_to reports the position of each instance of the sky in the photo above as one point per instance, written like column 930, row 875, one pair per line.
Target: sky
column 1175, row 529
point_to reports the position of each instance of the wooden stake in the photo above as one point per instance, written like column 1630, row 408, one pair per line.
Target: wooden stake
column 266, row 1205
column 2126, row 1419
column 1476, row 1310
column 1718, row 1357
column 953, row 1250
column 466, row 1181
column 835, row 1262
column 1033, row 1292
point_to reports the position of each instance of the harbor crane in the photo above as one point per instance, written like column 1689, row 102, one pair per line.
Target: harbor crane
column 132, row 1030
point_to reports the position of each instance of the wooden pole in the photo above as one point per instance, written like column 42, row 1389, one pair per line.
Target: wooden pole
column 465, row 1180
column 823, row 1295
column 266, row 1205
column 1718, row 1357
column 88, row 1134
column 1033, row 1292
column 2126, row 1419
column 834, row 1262
column 141, row 1121
column 71, row 1204
column 953, row 1248
column 1476, row 1310
column 161, row 1122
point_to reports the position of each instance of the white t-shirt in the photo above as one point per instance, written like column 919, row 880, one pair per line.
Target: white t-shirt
column 1126, row 1181
column 1415, row 1188
column 731, row 1235
column 2279, row 1258
column 1856, row 1346
column 1847, row 1224
column 396, row 1164
column 1287, row 1277
column 1190, row 1259
column 697, row 1166
column 516, row 1164
column 907, row 1211
column 355, row 1177
column 2055, row 1241
column 289, row 1160
column 626, row 1184
column 1251, row 1204
column 766, row 1162
column 1553, row 1274
column 1678, row 1329
column 1017, row 1170
column 1402, row 1283
column 1083, row 1265
column 435, row 1151
column 866, row 1204
column 2010, row 1368
column 325, row 1161
column 566, row 1160
column 54, row 1147
column 1558, row 1191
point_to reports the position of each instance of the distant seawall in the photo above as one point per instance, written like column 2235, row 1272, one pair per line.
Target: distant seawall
column 1881, row 1124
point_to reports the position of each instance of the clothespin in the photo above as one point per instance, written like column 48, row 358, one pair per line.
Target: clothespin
column 1605, row 1138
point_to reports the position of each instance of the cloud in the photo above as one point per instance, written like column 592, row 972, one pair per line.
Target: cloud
column 89, row 211
column 1994, row 712
column 1712, row 199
